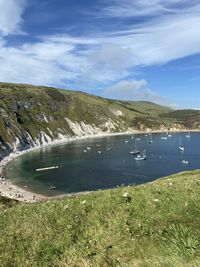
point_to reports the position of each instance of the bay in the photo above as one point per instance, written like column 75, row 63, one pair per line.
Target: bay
column 104, row 162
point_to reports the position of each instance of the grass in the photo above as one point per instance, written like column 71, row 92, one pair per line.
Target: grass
column 155, row 224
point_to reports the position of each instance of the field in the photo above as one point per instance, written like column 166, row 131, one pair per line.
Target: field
column 155, row 224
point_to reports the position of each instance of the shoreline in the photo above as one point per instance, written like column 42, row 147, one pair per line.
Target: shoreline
column 12, row 191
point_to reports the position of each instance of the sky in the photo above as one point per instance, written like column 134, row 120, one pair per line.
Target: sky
column 127, row 49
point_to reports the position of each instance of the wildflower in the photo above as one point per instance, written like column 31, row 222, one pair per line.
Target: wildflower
column 156, row 200
column 83, row 202
column 66, row 206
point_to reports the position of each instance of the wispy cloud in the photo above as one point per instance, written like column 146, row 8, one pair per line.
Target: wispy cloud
column 133, row 90
column 136, row 8
column 11, row 16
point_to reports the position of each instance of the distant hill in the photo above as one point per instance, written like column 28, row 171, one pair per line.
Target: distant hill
column 35, row 115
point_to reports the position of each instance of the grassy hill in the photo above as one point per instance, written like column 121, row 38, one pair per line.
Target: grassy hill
column 33, row 115
column 156, row 224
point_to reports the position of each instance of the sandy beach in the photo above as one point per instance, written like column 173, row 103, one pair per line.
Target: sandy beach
column 9, row 190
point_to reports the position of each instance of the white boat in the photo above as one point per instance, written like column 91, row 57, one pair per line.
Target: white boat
column 126, row 141
column 88, row 148
column 47, row 168
column 134, row 151
column 169, row 135
column 187, row 135
column 52, row 187
column 164, row 137
column 99, row 152
column 140, row 157
column 185, row 161
column 150, row 141
column 181, row 147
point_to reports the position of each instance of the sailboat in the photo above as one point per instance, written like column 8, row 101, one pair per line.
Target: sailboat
column 185, row 161
column 150, row 139
column 134, row 151
column 181, row 147
column 187, row 135
column 141, row 156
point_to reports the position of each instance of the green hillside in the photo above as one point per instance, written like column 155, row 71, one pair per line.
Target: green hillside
column 156, row 224
column 33, row 115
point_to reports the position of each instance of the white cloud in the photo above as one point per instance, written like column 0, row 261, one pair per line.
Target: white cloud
column 111, row 56
column 101, row 58
column 129, row 8
column 41, row 63
column 125, row 89
column 133, row 90
column 11, row 16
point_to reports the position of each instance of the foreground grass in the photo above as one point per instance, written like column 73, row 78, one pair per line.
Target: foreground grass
column 155, row 224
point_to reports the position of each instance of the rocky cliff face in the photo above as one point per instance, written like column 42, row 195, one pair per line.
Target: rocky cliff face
column 33, row 116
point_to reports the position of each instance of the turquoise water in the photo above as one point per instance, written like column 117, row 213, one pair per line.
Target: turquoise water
column 82, row 171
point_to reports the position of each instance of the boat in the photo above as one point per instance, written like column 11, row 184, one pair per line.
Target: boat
column 99, row 152
column 140, row 156
column 164, row 137
column 52, row 187
column 126, row 141
column 181, row 147
column 185, row 161
column 150, row 141
column 47, row 168
column 169, row 135
column 187, row 135
column 134, row 151
column 88, row 148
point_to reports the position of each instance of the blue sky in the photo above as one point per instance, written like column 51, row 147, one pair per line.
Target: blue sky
column 128, row 49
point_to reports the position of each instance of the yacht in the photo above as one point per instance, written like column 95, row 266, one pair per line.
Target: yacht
column 181, row 147
column 140, row 157
column 185, row 161
column 187, row 135
column 134, row 151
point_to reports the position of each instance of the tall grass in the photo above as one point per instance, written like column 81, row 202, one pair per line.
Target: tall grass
column 156, row 224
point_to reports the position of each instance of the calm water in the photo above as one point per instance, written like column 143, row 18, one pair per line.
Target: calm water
column 80, row 171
